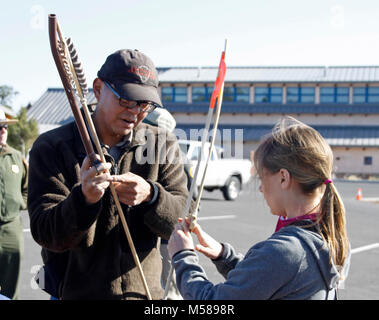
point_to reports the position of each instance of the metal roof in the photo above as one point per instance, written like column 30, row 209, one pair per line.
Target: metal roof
column 271, row 74
column 53, row 107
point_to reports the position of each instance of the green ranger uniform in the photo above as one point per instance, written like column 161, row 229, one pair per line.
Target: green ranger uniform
column 13, row 194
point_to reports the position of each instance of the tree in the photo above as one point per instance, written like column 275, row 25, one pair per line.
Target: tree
column 22, row 134
column 7, row 94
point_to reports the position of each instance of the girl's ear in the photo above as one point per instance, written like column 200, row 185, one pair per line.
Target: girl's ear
column 285, row 178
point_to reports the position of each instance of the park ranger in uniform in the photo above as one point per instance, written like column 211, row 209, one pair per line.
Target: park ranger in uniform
column 13, row 193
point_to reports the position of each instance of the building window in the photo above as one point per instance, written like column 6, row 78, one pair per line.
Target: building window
column 359, row 95
column 366, row 94
column 334, row 95
column 228, row 94
column 242, row 94
column 268, row 95
column 201, row 94
column 367, row 161
column 236, row 94
column 373, row 94
column 174, row 94
column 300, row 94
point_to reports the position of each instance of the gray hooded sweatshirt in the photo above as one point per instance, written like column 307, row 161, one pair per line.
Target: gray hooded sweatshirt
column 292, row 264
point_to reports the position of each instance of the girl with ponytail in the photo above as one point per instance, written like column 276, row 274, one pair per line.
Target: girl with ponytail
column 308, row 159
column 308, row 254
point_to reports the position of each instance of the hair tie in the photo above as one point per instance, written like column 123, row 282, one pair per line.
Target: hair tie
column 327, row 181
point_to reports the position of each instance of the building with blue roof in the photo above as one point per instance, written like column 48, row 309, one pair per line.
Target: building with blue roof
column 341, row 102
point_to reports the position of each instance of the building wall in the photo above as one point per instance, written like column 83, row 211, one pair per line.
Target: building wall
column 351, row 161
column 347, row 161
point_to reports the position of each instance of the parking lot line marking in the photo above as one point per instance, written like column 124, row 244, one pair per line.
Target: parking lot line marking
column 217, row 217
column 365, row 248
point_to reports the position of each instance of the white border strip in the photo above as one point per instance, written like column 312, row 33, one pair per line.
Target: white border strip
column 365, row 248
column 217, row 217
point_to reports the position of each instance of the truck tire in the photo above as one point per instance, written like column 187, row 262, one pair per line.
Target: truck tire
column 232, row 188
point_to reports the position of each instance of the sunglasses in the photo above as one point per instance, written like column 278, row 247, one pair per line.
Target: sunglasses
column 145, row 106
column 5, row 126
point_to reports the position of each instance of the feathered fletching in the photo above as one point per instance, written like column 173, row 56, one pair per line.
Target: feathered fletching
column 77, row 66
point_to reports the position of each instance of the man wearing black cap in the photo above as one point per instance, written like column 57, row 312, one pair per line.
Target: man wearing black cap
column 72, row 213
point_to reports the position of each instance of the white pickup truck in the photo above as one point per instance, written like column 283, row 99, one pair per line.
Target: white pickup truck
column 228, row 175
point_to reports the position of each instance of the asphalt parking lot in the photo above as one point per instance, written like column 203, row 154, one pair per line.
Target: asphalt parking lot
column 247, row 220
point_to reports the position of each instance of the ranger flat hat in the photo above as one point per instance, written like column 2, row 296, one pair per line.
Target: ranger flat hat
column 132, row 74
column 4, row 119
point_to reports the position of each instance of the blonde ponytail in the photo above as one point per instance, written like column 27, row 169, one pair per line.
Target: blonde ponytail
column 332, row 224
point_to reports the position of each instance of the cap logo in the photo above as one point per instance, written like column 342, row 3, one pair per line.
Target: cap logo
column 143, row 72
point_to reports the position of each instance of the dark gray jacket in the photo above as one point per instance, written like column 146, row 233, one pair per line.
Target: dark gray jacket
column 292, row 264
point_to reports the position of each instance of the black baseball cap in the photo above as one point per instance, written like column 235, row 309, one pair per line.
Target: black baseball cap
column 132, row 74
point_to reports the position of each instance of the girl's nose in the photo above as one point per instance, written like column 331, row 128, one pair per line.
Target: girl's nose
column 260, row 188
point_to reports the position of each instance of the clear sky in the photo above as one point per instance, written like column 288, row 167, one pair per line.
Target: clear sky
column 185, row 33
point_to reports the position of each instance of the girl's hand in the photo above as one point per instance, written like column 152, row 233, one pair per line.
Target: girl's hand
column 180, row 239
column 208, row 246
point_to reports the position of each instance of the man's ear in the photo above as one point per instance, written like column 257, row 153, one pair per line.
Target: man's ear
column 97, row 87
column 285, row 178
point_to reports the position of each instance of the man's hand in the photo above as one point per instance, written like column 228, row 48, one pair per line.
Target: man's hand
column 94, row 180
column 131, row 188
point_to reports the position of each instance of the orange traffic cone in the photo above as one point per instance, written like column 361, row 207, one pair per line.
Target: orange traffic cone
column 359, row 194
